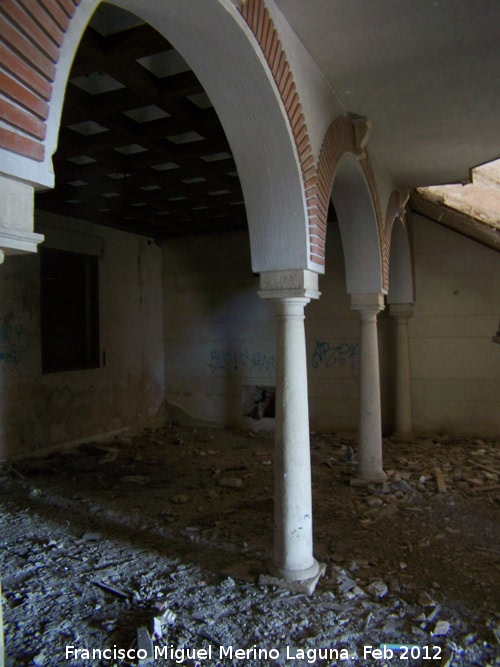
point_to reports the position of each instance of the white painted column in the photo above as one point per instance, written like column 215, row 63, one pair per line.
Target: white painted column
column 370, row 419
column 401, row 312
column 293, row 559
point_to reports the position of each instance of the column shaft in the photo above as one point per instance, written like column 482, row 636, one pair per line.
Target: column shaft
column 403, row 400
column 370, row 420
column 293, row 557
column 293, row 560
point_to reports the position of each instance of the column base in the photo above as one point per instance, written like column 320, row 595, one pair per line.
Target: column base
column 293, row 580
column 372, row 478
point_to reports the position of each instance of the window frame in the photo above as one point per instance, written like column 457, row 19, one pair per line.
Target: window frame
column 69, row 316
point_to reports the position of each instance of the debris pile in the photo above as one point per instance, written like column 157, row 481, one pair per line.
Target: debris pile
column 155, row 544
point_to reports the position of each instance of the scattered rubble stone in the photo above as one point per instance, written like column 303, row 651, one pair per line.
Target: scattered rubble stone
column 180, row 558
column 231, row 482
column 377, row 588
column 442, row 628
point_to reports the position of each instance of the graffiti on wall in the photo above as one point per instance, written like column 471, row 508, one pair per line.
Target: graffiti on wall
column 250, row 363
column 326, row 355
column 14, row 343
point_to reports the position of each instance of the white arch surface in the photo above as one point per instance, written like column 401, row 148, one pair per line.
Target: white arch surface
column 213, row 38
column 400, row 265
column 358, row 228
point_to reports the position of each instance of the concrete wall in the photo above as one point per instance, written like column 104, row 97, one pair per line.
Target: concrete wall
column 40, row 411
column 220, row 337
column 185, row 323
column 455, row 363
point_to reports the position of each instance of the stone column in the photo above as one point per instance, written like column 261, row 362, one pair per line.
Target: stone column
column 293, row 559
column 402, row 312
column 370, row 420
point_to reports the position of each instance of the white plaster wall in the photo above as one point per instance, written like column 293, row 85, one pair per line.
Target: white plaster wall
column 41, row 411
column 219, row 336
column 333, row 349
column 319, row 101
column 216, row 330
column 455, row 363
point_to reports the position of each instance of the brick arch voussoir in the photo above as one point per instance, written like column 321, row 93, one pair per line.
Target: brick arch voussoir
column 31, row 37
column 261, row 24
column 341, row 139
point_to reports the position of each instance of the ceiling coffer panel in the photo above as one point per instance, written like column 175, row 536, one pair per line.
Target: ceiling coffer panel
column 141, row 147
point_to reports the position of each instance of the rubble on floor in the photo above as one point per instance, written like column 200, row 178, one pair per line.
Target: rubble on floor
column 153, row 546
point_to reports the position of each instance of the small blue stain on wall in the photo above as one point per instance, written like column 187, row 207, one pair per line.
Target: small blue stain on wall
column 14, row 343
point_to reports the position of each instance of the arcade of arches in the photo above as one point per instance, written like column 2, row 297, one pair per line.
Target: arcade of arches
column 256, row 265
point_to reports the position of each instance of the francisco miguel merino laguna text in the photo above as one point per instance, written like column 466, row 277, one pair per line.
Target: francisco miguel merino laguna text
column 179, row 655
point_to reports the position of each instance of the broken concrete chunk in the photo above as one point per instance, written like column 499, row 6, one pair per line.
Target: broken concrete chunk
column 425, row 600
column 348, row 455
column 91, row 537
column 180, row 499
column 168, row 617
column 356, row 592
column 345, row 583
column 434, row 613
column 144, row 645
column 378, row 589
column 373, row 501
column 157, row 629
column 134, row 479
column 441, row 628
column 231, row 482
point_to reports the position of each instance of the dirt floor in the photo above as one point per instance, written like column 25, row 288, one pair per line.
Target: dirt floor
column 156, row 543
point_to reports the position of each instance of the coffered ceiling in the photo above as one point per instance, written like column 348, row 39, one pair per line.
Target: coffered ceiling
column 141, row 147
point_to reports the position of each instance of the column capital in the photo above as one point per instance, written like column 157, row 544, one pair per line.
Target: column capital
column 289, row 284
column 371, row 302
column 16, row 217
column 401, row 310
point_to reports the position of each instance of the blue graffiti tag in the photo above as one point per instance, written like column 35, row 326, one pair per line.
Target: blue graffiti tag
column 325, row 354
column 14, row 342
column 231, row 362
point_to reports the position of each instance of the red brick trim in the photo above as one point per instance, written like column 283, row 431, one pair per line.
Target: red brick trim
column 384, row 246
column 16, row 143
column 393, row 212
column 261, row 24
column 396, row 209
column 31, row 35
column 340, row 139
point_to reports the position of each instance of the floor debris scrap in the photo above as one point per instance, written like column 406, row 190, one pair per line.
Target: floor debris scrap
column 148, row 551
